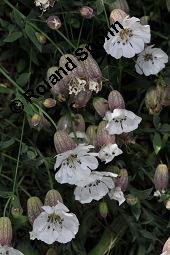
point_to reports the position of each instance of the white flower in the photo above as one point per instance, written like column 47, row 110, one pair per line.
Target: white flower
column 117, row 194
column 55, row 224
column 158, row 193
column 94, row 187
column 151, row 61
column 4, row 250
column 128, row 41
column 108, row 152
column 121, row 121
column 44, row 4
column 75, row 164
column 94, row 86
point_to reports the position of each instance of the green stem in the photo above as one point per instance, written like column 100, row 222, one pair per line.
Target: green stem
column 105, row 14
column 80, row 33
column 65, row 38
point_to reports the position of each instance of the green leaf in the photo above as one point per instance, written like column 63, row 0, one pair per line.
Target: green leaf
column 23, row 79
column 13, row 37
column 136, row 210
column 157, row 142
column 7, row 144
column 31, row 33
column 165, row 128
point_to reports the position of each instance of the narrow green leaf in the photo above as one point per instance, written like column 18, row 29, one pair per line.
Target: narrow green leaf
column 31, row 33
column 157, row 142
column 23, row 79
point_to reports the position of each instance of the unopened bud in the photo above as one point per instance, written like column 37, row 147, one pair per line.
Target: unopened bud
column 103, row 137
column 86, row 12
column 166, row 247
column 41, row 38
column 153, row 100
column 81, row 99
column 52, row 198
column 101, row 105
column 51, row 251
column 103, row 209
column 78, row 123
column 91, row 134
column 122, row 179
column 34, row 208
column 167, row 204
column 35, row 120
column 49, row 103
column 115, row 100
column 131, row 200
column 63, row 142
column 5, row 231
column 54, row 22
column 120, row 4
column 64, row 123
column 161, row 177
column 117, row 15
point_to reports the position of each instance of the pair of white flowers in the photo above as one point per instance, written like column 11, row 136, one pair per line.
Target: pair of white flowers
column 130, row 41
column 77, row 168
column 7, row 250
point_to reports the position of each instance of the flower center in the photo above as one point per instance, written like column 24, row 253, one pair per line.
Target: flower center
column 76, row 86
column 148, row 57
column 54, row 218
column 125, row 33
column 120, row 120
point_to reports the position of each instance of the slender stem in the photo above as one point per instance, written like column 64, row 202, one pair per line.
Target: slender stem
column 105, row 13
column 80, row 33
column 65, row 38
column 6, row 205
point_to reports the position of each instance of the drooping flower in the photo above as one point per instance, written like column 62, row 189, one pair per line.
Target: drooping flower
column 75, row 164
column 121, row 121
column 75, row 161
column 166, row 248
column 161, row 178
column 44, row 4
column 117, row 194
column 55, row 224
column 4, row 250
column 94, row 187
column 86, row 12
column 128, row 41
column 108, row 152
column 151, row 61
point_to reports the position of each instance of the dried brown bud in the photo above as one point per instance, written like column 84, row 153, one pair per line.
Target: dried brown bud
column 63, row 142
column 115, row 100
column 54, row 22
column 49, row 103
column 122, row 180
column 101, row 105
column 52, row 198
column 103, row 209
column 5, row 231
column 153, row 100
column 117, row 15
column 91, row 134
column 161, row 177
column 34, row 209
column 86, row 12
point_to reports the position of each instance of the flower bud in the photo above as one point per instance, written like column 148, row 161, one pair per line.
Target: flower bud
column 64, row 123
column 167, row 204
column 115, row 100
column 121, row 4
column 117, row 15
column 34, row 209
column 100, row 105
column 79, row 123
column 86, row 12
column 41, row 38
column 54, row 22
column 49, row 103
column 5, row 231
column 153, row 100
column 103, row 209
column 166, row 247
column 161, row 177
column 51, row 251
column 144, row 20
column 91, row 134
column 103, row 137
column 122, row 179
column 35, row 120
column 131, row 200
column 81, row 99
column 52, row 198
column 63, row 142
